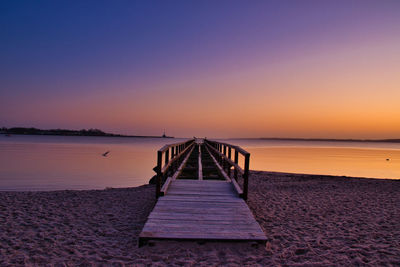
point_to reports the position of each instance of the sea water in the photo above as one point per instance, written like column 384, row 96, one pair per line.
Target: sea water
column 77, row 162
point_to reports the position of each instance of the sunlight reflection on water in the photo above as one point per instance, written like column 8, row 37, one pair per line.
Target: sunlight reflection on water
column 57, row 162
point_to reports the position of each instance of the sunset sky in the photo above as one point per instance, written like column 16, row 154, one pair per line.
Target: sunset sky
column 326, row 69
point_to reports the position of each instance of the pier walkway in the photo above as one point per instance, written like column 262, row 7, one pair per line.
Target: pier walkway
column 202, row 195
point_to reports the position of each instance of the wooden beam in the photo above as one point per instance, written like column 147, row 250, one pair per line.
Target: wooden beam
column 165, row 186
column 228, row 160
column 159, row 173
column 167, row 146
column 164, row 169
column 176, row 174
column 219, row 167
column 238, row 148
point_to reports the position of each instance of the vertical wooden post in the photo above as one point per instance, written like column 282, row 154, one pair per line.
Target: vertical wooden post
column 229, row 157
column 223, row 159
column 172, row 157
column 236, row 161
column 159, row 174
column 166, row 162
column 166, row 156
column 246, row 176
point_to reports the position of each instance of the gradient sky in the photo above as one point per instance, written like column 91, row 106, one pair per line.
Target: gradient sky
column 328, row 69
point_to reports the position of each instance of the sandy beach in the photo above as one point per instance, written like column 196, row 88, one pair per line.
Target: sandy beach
column 309, row 220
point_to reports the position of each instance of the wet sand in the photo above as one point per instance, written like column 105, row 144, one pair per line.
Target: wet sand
column 309, row 220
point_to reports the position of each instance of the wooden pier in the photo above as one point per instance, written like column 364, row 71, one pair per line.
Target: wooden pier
column 201, row 191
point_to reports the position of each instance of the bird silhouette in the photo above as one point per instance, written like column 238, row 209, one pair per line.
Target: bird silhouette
column 105, row 154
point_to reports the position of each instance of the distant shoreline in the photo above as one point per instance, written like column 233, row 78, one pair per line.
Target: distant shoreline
column 66, row 132
column 320, row 139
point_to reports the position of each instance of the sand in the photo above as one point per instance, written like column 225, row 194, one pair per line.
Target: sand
column 309, row 221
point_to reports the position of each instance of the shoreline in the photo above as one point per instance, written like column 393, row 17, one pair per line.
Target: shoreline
column 309, row 220
column 111, row 135
column 312, row 176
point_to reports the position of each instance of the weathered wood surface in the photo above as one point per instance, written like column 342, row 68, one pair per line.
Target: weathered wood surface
column 200, row 165
column 202, row 209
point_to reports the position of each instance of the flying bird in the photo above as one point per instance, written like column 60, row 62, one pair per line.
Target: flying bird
column 105, row 154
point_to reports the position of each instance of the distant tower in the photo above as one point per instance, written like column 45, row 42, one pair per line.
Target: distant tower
column 164, row 134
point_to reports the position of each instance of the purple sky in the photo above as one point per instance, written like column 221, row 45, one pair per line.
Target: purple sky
column 204, row 68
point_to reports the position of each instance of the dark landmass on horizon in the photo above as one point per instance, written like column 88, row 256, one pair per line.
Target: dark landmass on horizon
column 97, row 132
column 65, row 132
column 321, row 139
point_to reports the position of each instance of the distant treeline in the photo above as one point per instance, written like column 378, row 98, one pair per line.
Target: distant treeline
column 35, row 131
column 83, row 132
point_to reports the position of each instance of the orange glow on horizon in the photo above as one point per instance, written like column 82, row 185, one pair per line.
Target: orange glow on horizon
column 342, row 86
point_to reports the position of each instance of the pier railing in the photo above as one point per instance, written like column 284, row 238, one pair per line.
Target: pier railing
column 227, row 156
column 169, row 161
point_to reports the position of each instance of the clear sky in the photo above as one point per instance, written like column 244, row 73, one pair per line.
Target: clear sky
column 328, row 69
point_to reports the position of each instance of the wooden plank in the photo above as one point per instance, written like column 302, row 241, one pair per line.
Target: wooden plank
column 203, row 221
column 166, row 185
column 189, row 187
column 173, row 191
column 204, row 231
column 210, row 213
column 201, row 209
column 237, row 187
column 229, row 192
column 202, row 187
column 198, row 217
column 191, row 223
column 213, row 236
column 202, row 199
column 200, row 183
column 229, row 225
column 201, row 229
column 196, row 204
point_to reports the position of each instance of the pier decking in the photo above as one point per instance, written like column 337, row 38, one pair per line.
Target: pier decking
column 201, row 199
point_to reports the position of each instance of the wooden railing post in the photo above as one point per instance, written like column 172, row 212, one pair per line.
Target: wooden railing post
column 166, row 159
column 159, row 174
column 236, row 161
column 172, row 157
column 223, row 159
column 246, row 176
column 230, row 158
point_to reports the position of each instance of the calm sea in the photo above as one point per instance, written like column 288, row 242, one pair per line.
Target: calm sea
column 59, row 162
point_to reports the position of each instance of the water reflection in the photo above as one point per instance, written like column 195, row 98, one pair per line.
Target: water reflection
column 360, row 162
column 50, row 163
column 56, row 162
